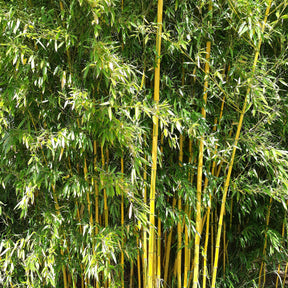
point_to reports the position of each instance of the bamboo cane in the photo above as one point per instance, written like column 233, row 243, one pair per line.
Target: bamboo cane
column 285, row 274
column 179, row 226
column 200, row 169
column 159, row 235
column 96, row 191
column 263, row 263
column 208, row 214
column 227, row 181
column 154, row 146
column 131, row 274
column 282, row 234
column 122, row 228
column 138, row 263
column 144, row 257
column 168, row 247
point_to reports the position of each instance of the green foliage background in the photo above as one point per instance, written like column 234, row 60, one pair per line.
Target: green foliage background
column 74, row 72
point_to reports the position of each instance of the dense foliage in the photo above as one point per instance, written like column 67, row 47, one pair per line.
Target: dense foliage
column 77, row 121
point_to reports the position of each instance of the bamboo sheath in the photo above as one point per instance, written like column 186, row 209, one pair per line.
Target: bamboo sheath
column 151, row 265
column 227, row 181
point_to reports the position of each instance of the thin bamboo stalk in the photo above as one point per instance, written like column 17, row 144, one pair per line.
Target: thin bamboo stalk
column 208, row 215
column 282, row 234
column 200, row 169
column 227, row 181
column 159, row 233
column 168, row 248
column 151, row 264
column 131, row 274
column 145, row 254
column 122, row 228
column 179, row 224
column 285, row 274
column 263, row 263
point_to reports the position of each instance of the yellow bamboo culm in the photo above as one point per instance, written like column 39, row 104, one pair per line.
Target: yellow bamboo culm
column 159, row 235
column 138, row 263
column 105, row 195
column 144, row 257
column 200, row 170
column 151, row 264
column 122, row 228
column 208, row 215
column 96, row 190
column 227, row 181
column 282, row 234
column 168, row 247
column 263, row 263
column 179, row 224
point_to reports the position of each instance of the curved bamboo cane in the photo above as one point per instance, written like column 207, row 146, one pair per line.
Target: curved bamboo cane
column 227, row 181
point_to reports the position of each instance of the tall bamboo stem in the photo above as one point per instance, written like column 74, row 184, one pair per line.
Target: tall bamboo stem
column 151, row 263
column 263, row 263
column 227, row 181
column 200, row 169
column 122, row 227
column 179, row 224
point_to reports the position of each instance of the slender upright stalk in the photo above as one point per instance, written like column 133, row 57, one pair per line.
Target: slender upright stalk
column 282, row 234
column 96, row 190
column 154, row 147
column 208, row 216
column 263, row 264
column 200, row 169
column 227, row 181
column 159, row 232
column 168, row 247
column 179, row 225
column 144, row 257
column 122, row 228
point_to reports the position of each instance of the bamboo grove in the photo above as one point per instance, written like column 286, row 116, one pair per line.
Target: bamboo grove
column 143, row 143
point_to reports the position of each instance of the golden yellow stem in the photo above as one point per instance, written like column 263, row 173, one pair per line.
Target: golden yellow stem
column 200, row 170
column 227, row 181
column 282, row 234
column 168, row 248
column 131, row 275
column 263, row 264
column 151, row 264
column 208, row 213
column 144, row 257
column 179, row 226
column 122, row 227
